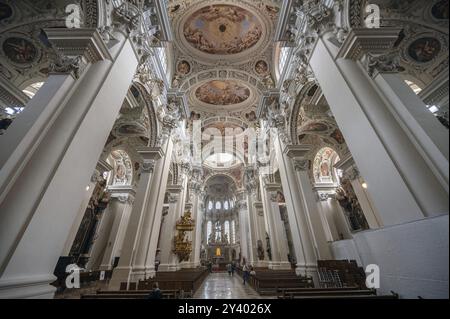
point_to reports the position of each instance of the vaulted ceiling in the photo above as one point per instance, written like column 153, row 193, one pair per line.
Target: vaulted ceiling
column 223, row 53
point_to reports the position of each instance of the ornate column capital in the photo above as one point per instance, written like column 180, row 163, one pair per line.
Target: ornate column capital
column 352, row 174
column 124, row 194
column 302, row 165
column 323, row 197
column 76, row 48
column 173, row 198
column 150, row 155
column 148, row 166
column 362, row 41
column 126, row 199
column 385, row 63
column 297, row 151
column 242, row 205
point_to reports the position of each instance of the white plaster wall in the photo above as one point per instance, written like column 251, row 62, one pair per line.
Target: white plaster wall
column 413, row 257
column 346, row 250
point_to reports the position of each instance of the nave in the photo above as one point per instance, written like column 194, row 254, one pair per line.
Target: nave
column 156, row 141
column 224, row 286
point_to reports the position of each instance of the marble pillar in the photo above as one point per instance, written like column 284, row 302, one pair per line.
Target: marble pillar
column 124, row 269
column 122, row 199
column 54, row 172
column 169, row 261
column 277, row 234
column 402, row 184
column 303, row 241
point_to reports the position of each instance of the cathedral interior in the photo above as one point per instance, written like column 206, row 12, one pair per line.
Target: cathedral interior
column 300, row 145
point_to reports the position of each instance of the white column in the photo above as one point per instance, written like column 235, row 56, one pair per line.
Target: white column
column 423, row 128
column 169, row 261
column 120, row 208
column 152, row 213
column 309, row 205
column 132, row 235
column 261, row 234
column 55, row 175
column 305, row 254
column 243, row 234
column 251, row 227
column 198, row 215
column 352, row 173
column 102, row 167
column 277, row 233
column 402, row 185
column 144, row 267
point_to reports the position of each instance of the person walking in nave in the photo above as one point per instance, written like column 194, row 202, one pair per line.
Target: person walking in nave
column 246, row 273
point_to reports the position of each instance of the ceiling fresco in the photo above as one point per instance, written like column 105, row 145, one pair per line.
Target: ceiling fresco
column 223, row 30
column 222, row 93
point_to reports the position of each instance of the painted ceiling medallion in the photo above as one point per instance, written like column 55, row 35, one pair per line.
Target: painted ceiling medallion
column 19, row 50
column 222, row 93
column 440, row 10
column 425, row 49
column 223, row 30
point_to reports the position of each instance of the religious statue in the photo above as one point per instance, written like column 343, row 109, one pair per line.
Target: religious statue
column 353, row 210
column 225, row 239
column 260, row 250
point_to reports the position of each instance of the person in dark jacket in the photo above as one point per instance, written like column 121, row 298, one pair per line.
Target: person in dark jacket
column 155, row 293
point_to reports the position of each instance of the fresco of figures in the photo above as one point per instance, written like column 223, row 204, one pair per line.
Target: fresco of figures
column 222, row 93
column 223, row 30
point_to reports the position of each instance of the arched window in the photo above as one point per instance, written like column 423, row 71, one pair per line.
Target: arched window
column 218, row 205
column 417, row 89
column 226, row 205
column 284, row 55
column 233, row 232
column 227, row 230
column 210, row 205
column 32, row 89
column 208, row 231
column 162, row 55
column 218, row 230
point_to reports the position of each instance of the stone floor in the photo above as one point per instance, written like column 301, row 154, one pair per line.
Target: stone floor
column 222, row 286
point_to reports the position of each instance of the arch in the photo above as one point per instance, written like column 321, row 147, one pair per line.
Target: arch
column 221, row 174
column 123, row 171
column 280, row 60
column 32, row 89
column 323, row 166
column 223, row 74
column 153, row 123
column 301, row 98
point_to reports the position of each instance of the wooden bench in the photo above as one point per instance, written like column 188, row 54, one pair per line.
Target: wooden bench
column 137, row 294
column 267, row 282
column 187, row 282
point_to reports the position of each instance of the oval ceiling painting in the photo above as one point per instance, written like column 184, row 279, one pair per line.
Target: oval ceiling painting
column 222, row 93
column 223, row 30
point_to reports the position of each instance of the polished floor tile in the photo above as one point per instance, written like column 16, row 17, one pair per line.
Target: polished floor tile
column 222, row 286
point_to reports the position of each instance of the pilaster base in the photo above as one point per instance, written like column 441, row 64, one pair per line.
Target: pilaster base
column 189, row 265
column 105, row 267
column 309, row 271
column 169, row 267
column 279, row 265
column 120, row 275
column 37, row 287
column 150, row 273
